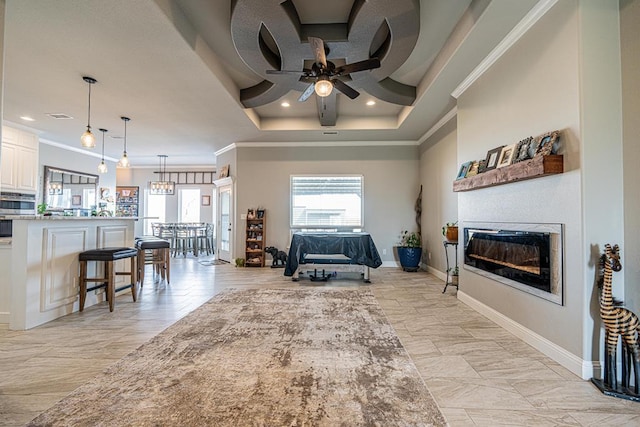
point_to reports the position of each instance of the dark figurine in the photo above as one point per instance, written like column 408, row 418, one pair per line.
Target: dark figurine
column 279, row 257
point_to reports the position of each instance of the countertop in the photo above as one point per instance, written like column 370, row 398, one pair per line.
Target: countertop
column 66, row 218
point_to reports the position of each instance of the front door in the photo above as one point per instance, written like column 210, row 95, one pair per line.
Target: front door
column 225, row 214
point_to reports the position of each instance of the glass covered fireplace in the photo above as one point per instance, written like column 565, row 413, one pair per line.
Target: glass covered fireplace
column 522, row 255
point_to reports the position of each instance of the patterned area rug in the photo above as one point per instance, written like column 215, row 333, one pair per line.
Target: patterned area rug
column 268, row 357
column 211, row 261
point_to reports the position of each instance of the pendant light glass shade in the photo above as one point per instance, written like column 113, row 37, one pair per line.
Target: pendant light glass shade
column 323, row 86
column 102, row 167
column 162, row 186
column 88, row 140
column 124, row 160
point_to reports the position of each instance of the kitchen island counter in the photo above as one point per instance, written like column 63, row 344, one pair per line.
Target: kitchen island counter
column 43, row 276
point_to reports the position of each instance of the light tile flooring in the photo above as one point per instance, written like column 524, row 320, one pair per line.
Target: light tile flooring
column 478, row 373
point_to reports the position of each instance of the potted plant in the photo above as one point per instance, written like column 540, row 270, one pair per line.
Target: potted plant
column 453, row 275
column 450, row 231
column 410, row 250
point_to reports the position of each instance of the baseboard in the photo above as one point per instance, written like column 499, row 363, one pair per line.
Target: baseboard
column 390, row 264
column 582, row 368
column 4, row 317
column 439, row 274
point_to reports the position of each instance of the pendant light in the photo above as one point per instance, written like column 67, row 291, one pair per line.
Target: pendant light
column 124, row 161
column 162, row 186
column 102, row 167
column 87, row 139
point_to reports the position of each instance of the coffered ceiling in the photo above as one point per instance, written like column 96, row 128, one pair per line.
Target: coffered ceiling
column 191, row 74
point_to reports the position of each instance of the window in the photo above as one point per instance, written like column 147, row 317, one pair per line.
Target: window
column 326, row 202
column 190, row 205
column 156, row 207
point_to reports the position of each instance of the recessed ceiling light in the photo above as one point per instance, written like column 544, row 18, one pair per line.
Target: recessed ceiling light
column 28, row 119
column 285, row 104
column 370, row 103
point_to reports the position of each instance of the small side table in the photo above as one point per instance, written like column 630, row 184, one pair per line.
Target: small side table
column 450, row 268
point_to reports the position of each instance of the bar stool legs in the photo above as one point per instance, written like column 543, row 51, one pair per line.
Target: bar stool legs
column 108, row 281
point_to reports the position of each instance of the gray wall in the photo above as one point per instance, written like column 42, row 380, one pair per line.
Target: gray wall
column 390, row 187
column 563, row 74
column 530, row 90
column 630, row 53
column 438, row 169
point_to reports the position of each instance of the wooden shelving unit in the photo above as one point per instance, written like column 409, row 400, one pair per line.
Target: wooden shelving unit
column 127, row 201
column 256, row 235
column 533, row 168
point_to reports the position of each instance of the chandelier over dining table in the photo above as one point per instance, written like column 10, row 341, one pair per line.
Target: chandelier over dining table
column 162, row 186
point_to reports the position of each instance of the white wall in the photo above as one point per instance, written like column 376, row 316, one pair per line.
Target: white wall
column 73, row 160
column 390, row 187
column 141, row 177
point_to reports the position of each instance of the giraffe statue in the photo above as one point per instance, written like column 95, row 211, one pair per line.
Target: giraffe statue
column 618, row 322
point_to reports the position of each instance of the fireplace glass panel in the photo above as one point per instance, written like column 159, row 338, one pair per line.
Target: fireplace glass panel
column 524, row 256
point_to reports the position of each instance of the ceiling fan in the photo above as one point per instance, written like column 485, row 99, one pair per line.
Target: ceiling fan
column 324, row 75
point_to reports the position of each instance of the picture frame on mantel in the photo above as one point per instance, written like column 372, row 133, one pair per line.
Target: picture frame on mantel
column 506, row 155
column 464, row 168
column 492, row 158
column 547, row 142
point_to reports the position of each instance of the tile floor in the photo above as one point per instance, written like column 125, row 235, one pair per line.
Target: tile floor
column 479, row 374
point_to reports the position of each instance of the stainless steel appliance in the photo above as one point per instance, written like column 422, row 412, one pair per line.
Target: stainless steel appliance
column 17, row 203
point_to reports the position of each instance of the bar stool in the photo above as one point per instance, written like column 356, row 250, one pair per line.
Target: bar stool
column 108, row 256
column 154, row 251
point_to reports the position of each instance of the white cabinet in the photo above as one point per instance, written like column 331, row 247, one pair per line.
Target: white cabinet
column 19, row 165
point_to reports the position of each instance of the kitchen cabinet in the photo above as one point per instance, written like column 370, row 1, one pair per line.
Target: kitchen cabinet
column 19, row 161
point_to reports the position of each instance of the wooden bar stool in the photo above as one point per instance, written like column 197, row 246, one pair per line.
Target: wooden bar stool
column 108, row 256
column 156, row 252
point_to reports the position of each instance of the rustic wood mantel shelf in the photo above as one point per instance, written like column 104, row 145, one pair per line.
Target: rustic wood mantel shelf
column 534, row 168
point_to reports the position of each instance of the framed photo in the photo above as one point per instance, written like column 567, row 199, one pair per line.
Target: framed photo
column 76, row 200
column 482, row 165
column 506, row 155
column 464, row 168
column 473, row 169
column 548, row 143
column 492, row 158
column 224, row 171
column 206, row 200
column 522, row 151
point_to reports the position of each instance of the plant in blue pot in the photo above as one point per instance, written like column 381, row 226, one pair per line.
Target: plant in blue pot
column 410, row 250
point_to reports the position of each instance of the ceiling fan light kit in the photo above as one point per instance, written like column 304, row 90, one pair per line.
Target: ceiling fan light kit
column 323, row 86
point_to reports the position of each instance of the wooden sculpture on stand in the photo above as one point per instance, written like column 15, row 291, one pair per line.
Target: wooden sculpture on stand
column 618, row 322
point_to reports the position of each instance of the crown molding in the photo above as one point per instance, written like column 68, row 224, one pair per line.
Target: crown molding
column 77, row 150
column 525, row 24
column 440, row 123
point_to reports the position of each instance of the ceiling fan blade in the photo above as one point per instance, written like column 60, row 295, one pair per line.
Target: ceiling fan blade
column 283, row 72
column 347, row 90
column 317, row 47
column 367, row 64
column 307, row 93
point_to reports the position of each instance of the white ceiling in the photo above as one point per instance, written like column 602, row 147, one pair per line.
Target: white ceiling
column 170, row 65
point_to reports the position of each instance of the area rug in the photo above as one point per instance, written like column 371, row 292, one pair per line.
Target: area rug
column 265, row 357
column 211, row 261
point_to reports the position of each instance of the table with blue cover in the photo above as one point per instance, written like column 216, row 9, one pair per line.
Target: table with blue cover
column 331, row 248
